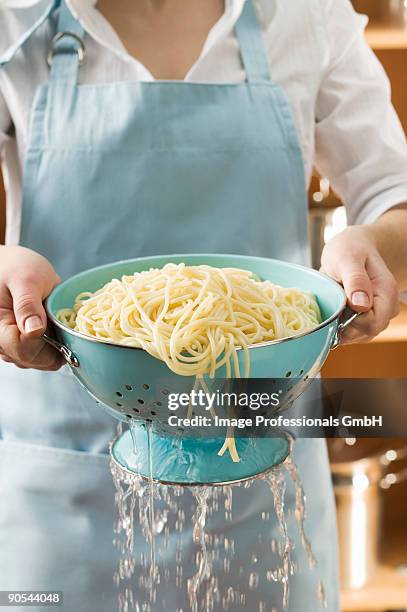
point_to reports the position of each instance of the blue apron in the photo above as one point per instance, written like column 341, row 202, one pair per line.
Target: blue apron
column 121, row 170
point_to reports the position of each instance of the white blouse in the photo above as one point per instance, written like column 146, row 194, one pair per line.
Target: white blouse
column 338, row 90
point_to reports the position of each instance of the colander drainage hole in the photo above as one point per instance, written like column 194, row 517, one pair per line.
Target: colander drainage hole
column 146, row 386
column 129, row 388
column 149, row 421
column 136, row 410
column 301, row 373
column 140, row 401
column 119, row 404
column 288, row 374
column 158, row 403
column 152, row 412
column 119, row 394
column 165, row 392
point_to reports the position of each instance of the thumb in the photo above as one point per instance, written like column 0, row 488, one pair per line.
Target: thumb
column 357, row 284
column 29, row 312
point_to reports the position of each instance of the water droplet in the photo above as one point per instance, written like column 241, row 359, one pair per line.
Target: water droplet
column 321, row 595
column 253, row 580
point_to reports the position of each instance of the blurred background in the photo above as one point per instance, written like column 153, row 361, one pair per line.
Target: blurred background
column 370, row 476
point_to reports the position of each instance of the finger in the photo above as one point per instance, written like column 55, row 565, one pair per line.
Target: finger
column 29, row 352
column 55, row 365
column 385, row 307
column 372, row 323
column 58, row 363
column 29, row 312
column 356, row 283
column 386, row 290
column 351, row 335
column 36, row 353
column 386, row 303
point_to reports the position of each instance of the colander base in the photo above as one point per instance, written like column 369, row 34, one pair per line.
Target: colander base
column 195, row 461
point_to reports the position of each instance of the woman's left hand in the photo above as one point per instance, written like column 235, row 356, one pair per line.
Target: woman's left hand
column 352, row 258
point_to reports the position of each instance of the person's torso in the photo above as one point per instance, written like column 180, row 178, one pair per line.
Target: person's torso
column 298, row 72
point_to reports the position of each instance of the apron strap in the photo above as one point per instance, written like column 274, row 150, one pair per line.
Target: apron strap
column 67, row 50
column 252, row 47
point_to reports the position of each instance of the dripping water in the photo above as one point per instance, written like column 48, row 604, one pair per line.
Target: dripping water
column 151, row 521
column 300, row 509
column 321, row 595
column 167, row 521
column 282, row 574
column 198, row 535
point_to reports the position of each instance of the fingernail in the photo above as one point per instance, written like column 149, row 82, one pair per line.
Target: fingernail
column 360, row 298
column 32, row 324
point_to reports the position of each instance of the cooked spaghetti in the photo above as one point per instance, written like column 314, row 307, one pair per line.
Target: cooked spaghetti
column 194, row 318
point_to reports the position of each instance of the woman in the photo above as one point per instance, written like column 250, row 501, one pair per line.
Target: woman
column 163, row 127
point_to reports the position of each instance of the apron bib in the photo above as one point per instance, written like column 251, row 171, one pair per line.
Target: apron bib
column 129, row 169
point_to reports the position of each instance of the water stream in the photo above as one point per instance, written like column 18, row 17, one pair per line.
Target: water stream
column 199, row 537
column 150, row 519
column 282, row 574
column 192, row 525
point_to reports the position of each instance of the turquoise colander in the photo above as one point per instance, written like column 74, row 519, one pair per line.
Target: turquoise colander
column 133, row 386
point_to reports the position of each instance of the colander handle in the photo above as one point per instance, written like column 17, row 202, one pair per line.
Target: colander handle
column 64, row 350
column 347, row 317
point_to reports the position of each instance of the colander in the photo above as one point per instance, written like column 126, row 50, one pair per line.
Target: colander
column 134, row 386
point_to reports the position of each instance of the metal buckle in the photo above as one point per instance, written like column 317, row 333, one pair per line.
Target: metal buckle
column 81, row 51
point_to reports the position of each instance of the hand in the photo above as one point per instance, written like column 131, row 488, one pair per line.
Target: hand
column 26, row 279
column 352, row 258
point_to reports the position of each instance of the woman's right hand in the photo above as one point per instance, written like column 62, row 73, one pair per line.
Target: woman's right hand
column 26, row 279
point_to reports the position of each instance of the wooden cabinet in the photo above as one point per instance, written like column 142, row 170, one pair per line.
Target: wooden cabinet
column 385, row 357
